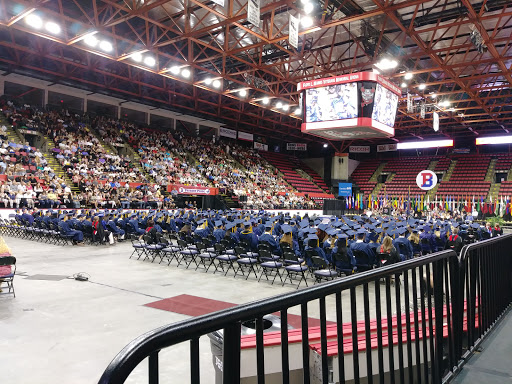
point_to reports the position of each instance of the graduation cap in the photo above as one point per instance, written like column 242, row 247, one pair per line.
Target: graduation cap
column 475, row 225
column 200, row 222
column 401, row 230
column 230, row 225
column 350, row 232
column 378, row 230
column 342, row 236
column 218, row 223
column 268, row 225
column 304, row 223
column 356, row 226
column 361, row 231
column 312, row 237
column 323, row 227
column 286, row 228
column 247, row 224
column 330, row 231
column 337, row 224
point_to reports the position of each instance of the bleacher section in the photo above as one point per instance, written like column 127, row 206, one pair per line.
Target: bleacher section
column 363, row 173
column 467, row 174
column 287, row 165
column 405, row 176
column 468, row 177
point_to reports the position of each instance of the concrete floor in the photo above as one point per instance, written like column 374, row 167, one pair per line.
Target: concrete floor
column 59, row 328
column 491, row 364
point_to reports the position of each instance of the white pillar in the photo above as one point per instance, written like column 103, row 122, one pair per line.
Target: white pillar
column 45, row 98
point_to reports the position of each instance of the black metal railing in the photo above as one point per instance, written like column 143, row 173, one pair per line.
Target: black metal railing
column 417, row 316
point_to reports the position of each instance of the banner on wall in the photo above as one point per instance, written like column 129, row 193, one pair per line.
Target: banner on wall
column 345, row 189
column 296, row 147
column 293, row 32
column 386, row 148
column 460, row 150
column 260, row 146
column 245, row 136
column 359, row 149
column 254, row 12
column 192, row 190
column 227, row 133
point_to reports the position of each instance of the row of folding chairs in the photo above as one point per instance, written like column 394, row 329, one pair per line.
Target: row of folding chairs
column 223, row 257
column 39, row 231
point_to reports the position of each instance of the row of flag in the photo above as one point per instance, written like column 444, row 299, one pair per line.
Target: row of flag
column 500, row 206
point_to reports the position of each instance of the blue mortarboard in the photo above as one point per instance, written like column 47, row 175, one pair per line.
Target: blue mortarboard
column 361, row 231
column 323, row 227
column 337, row 224
column 218, row 223
column 286, row 228
column 401, row 230
column 268, row 224
column 464, row 226
column 342, row 236
column 230, row 225
column 201, row 222
column 247, row 224
column 61, row 217
column 378, row 230
column 350, row 232
column 311, row 230
column 317, row 222
column 312, row 237
column 475, row 225
column 330, row 231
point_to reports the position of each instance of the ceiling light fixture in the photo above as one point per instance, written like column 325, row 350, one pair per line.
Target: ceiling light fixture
column 444, row 103
column 216, row 83
column 286, row 107
column 106, row 46
column 422, row 87
column 308, row 8
column 265, row 100
column 137, row 57
column 150, row 61
column 279, row 105
column 175, row 70
column 298, row 111
column 386, row 64
column 306, row 21
column 494, row 140
column 186, row 73
column 34, row 21
column 52, row 27
column 326, row 145
column 242, row 92
column 408, row 76
column 403, row 85
column 91, row 41
column 208, row 81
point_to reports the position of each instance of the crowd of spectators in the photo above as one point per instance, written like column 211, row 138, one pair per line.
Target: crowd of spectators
column 101, row 177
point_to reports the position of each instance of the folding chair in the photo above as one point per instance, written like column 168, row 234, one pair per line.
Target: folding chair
column 343, row 260
column 224, row 258
column 293, row 267
column 187, row 253
column 322, row 270
column 269, row 266
column 8, row 278
column 138, row 246
column 205, row 256
column 245, row 261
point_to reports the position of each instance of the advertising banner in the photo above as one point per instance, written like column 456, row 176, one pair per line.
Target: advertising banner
column 227, row 133
column 245, row 136
column 293, row 35
column 254, row 12
column 260, row 146
column 192, row 190
column 359, row 149
column 386, row 148
column 345, row 189
column 296, row 147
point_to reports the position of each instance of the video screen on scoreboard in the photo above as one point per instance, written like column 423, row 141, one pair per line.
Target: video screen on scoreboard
column 384, row 106
column 334, row 102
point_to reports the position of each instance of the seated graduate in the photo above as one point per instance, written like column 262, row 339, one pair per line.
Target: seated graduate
column 219, row 231
column 342, row 255
column 268, row 238
column 288, row 238
column 312, row 244
column 387, row 253
column 403, row 245
column 360, row 246
column 249, row 236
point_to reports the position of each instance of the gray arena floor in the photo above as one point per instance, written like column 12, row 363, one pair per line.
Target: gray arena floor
column 60, row 328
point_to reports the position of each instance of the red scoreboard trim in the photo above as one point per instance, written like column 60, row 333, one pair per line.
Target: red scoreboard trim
column 350, row 78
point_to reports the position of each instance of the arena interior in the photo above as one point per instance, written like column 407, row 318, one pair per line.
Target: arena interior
column 182, row 180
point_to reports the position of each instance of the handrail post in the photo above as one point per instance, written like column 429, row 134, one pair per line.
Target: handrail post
column 153, row 368
column 231, row 366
